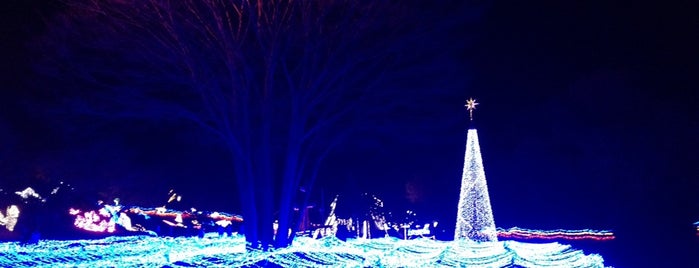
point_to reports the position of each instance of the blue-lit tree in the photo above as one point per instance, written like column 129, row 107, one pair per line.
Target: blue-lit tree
column 474, row 219
column 277, row 81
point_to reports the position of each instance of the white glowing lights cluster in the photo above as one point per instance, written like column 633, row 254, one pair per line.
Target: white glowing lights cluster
column 304, row 252
column 9, row 220
column 474, row 219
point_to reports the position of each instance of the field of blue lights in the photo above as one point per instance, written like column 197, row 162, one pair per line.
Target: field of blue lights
column 151, row 251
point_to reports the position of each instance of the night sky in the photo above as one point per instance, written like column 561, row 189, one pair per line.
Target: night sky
column 587, row 120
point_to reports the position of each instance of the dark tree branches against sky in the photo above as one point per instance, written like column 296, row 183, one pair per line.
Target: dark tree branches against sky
column 280, row 83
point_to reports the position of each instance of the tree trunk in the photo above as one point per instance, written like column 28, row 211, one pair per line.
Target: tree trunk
column 246, row 196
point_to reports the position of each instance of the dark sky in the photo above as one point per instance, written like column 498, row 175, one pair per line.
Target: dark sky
column 590, row 119
column 587, row 120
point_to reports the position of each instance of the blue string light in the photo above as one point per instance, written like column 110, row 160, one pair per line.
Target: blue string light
column 304, row 252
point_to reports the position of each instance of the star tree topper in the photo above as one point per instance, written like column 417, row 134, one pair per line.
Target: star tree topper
column 470, row 106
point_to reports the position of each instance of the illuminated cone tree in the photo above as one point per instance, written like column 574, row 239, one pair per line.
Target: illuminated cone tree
column 474, row 219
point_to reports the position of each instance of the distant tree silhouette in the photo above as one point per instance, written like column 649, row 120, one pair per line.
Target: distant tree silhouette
column 279, row 82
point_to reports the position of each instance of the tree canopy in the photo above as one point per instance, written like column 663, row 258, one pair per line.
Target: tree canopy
column 280, row 83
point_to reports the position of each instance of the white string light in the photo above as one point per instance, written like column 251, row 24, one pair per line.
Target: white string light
column 474, row 219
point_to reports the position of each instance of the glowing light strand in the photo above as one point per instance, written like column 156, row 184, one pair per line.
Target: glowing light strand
column 559, row 234
column 212, row 250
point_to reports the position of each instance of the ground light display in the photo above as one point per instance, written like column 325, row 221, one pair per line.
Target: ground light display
column 212, row 250
column 139, row 236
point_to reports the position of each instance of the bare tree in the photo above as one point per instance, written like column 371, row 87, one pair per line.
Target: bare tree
column 277, row 81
